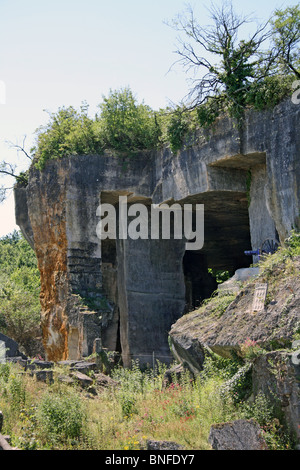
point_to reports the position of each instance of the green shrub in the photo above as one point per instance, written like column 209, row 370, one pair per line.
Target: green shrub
column 269, row 92
column 20, row 316
column 269, row 416
column 128, row 405
column 239, row 386
column 250, row 349
column 127, row 127
column 292, row 243
column 208, row 112
column 19, row 292
column 134, row 380
column 220, row 275
column 61, row 415
column 17, row 391
column 223, row 368
column 218, row 303
column 124, row 125
column 12, row 386
column 68, row 132
column 177, row 129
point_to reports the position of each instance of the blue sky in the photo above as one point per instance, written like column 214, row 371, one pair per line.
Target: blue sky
column 63, row 52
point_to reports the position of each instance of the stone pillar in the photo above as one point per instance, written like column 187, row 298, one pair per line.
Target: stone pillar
column 262, row 225
column 151, row 296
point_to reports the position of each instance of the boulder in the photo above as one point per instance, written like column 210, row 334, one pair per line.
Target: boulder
column 163, row 445
column 66, row 379
column 237, row 435
column 39, row 364
column 84, row 367
column 187, row 349
column 104, row 381
column 224, row 331
column 4, row 443
column 4, row 440
column 276, row 375
column 84, row 380
column 233, row 285
column 43, row 375
column 174, row 374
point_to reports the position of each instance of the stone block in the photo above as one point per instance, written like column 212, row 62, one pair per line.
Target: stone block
column 163, row 445
column 237, row 435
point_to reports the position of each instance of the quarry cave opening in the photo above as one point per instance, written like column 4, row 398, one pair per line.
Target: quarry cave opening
column 226, row 238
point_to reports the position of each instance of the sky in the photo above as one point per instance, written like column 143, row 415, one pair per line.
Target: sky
column 56, row 53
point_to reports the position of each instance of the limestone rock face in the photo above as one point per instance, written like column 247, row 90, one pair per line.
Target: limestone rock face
column 228, row 330
column 276, row 375
column 130, row 292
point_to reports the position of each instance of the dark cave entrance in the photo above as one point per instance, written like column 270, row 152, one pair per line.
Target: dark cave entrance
column 199, row 283
column 226, row 238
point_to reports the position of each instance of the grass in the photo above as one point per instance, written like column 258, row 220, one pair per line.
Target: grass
column 41, row 416
column 282, row 262
column 60, row 416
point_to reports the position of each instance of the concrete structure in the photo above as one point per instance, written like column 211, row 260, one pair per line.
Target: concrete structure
column 130, row 292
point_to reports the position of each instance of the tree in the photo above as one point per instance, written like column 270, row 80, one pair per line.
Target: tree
column 68, row 132
column 224, row 65
column 286, row 37
column 8, row 169
column 122, row 125
column 126, row 125
column 19, row 292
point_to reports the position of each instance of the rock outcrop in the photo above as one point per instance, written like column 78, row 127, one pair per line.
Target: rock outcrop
column 276, row 375
column 237, row 435
column 226, row 330
column 130, row 292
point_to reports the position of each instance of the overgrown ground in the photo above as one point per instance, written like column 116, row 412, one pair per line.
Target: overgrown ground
column 41, row 416
column 38, row 415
